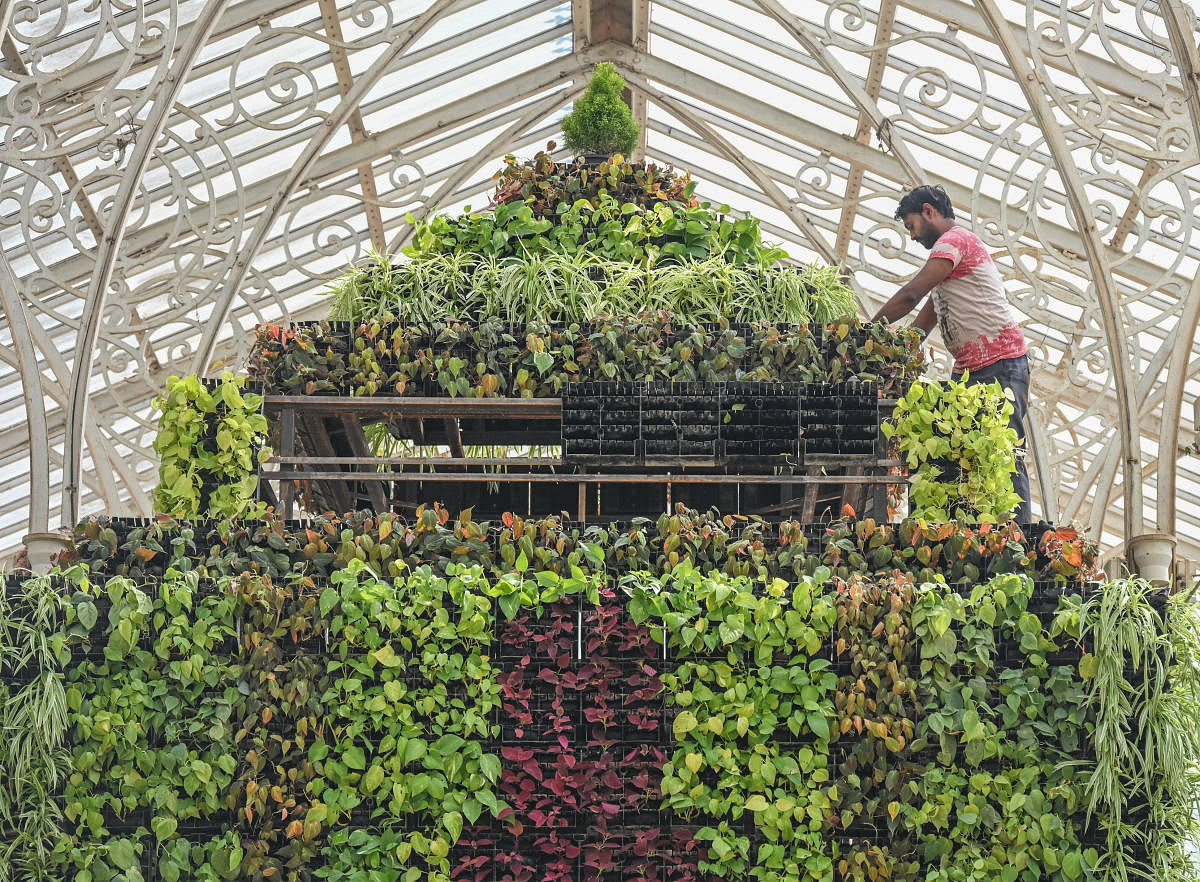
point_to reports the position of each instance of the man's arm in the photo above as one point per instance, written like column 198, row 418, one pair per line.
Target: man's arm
column 906, row 299
column 926, row 318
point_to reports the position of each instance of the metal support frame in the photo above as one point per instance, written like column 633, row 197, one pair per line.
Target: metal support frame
column 850, row 85
column 883, row 31
column 35, row 405
column 358, row 131
column 1181, row 30
column 500, row 142
column 300, row 170
column 1128, row 428
column 109, row 247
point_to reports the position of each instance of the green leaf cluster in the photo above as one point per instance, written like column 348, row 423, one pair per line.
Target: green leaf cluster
column 746, row 683
column 624, row 232
column 210, row 442
column 494, row 359
column 958, row 440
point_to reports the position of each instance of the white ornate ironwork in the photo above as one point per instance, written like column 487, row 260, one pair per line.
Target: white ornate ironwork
column 172, row 173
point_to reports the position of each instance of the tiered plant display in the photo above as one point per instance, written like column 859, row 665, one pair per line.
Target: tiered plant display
column 493, row 359
column 689, row 697
column 694, row 698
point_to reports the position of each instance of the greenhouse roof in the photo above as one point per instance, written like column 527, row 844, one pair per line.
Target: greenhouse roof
column 176, row 171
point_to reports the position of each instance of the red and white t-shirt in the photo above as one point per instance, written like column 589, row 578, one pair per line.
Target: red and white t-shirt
column 978, row 325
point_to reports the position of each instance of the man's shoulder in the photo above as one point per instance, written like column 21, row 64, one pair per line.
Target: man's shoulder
column 959, row 236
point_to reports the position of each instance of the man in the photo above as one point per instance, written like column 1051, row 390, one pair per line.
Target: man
column 970, row 307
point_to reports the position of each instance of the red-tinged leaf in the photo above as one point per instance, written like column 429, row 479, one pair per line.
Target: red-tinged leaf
column 533, row 770
column 562, row 741
column 610, row 808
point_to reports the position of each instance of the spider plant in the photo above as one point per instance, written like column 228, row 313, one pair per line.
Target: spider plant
column 830, row 298
column 1145, row 697
column 789, row 293
column 33, row 726
column 363, row 287
column 553, row 286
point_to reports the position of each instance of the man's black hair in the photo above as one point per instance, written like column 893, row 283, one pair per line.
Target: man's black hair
column 913, row 202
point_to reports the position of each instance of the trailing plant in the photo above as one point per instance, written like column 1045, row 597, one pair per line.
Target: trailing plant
column 600, row 121
column 1144, row 693
column 210, row 442
column 752, row 708
column 34, row 760
column 957, row 438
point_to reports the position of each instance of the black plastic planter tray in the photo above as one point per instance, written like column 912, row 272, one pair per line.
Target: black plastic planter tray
column 601, row 424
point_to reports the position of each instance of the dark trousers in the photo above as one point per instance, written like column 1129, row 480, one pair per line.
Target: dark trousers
column 1012, row 374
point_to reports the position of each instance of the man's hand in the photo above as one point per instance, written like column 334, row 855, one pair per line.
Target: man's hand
column 906, row 299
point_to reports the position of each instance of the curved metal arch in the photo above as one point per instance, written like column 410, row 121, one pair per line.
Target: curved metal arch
column 109, row 247
column 1128, row 420
column 35, row 402
column 1180, row 30
column 452, row 183
column 336, row 119
column 768, row 186
column 866, row 105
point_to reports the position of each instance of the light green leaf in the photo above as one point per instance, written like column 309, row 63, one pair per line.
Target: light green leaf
column 683, row 724
column 122, row 854
column 164, row 828
column 757, row 803
column 329, row 599
column 373, row 779
column 453, row 821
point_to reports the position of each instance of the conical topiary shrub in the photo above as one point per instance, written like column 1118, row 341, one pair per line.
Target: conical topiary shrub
column 600, row 122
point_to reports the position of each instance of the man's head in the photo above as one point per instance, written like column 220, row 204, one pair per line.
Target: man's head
column 926, row 213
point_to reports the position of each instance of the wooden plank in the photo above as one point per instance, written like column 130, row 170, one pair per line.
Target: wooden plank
column 358, row 443
column 808, row 511
column 315, row 431
column 428, row 408
column 287, row 441
column 454, row 437
column 591, row 478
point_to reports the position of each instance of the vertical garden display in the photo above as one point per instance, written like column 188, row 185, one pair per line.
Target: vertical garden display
column 689, row 699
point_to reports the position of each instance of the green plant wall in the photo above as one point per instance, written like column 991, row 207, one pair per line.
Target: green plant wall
column 438, row 699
